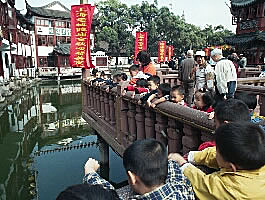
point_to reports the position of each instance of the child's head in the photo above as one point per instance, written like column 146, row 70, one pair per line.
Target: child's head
column 153, row 82
column 146, row 161
column 87, row 191
column 203, row 99
column 240, row 146
column 134, row 69
column 94, row 72
column 119, row 78
column 249, row 99
column 231, row 110
column 163, row 90
column 141, row 83
column 177, row 94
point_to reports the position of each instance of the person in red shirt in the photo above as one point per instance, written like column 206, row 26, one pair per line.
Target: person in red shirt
column 146, row 65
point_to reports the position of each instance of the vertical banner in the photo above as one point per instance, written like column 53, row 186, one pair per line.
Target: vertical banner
column 81, row 19
column 162, row 51
column 170, row 52
column 140, row 44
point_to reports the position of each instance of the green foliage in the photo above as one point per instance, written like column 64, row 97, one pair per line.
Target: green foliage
column 118, row 24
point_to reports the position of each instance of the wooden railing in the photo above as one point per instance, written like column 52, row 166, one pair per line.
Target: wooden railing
column 120, row 120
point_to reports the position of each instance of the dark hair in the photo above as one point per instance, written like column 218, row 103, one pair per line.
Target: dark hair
column 102, row 73
column 207, row 98
column 164, row 88
column 247, row 98
column 141, row 83
column 124, row 76
column 134, row 68
column 148, row 160
column 155, row 79
column 232, row 110
column 179, row 89
column 144, row 58
column 87, row 192
column 242, row 144
column 94, row 72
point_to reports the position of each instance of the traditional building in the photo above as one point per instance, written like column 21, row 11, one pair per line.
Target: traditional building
column 17, row 47
column 249, row 16
column 52, row 34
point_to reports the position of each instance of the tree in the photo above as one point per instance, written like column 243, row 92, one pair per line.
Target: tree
column 118, row 25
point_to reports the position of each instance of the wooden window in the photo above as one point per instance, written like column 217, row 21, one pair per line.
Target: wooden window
column 20, row 62
column 43, row 61
column 101, row 61
column 42, row 40
column 38, row 22
column 50, row 40
column 68, row 40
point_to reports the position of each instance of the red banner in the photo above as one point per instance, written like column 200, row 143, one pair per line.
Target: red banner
column 81, row 19
column 140, row 44
column 162, row 51
column 170, row 52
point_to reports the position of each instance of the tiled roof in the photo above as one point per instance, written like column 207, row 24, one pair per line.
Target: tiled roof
column 243, row 3
column 46, row 12
column 63, row 49
column 246, row 39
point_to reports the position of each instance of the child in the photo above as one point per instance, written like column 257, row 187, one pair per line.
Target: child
column 163, row 92
column 203, row 101
column 177, row 95
column 141, row 86
column 240, row 155
column 153, row 83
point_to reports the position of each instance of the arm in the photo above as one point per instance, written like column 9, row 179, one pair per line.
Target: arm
column 206, row 157
column 205, row 186
column 91, row 177
column 150, row 99
column 160, row 100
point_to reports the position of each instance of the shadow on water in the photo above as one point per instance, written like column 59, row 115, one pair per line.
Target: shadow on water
column 44, row 144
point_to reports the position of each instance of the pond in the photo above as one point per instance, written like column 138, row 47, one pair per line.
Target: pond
column 44, row 143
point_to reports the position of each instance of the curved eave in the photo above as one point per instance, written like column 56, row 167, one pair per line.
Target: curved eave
column 245, row 39
column 243, row 3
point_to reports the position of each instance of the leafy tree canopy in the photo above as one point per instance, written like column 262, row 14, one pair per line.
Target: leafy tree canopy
column 118, row 24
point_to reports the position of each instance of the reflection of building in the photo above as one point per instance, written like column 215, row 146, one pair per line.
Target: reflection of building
column 60, row 109
column 249, row 16
column 17, row 45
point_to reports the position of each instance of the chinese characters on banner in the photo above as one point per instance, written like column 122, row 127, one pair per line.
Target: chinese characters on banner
column 81, row 19
column 170, row 52
column 162, row 51
column 140, row 44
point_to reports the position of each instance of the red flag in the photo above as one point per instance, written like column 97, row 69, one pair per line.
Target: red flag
column 162, row 51
column 170, row 52
column 140, row 44
column 81, row 19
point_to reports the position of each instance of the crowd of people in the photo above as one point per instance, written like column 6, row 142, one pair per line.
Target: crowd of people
column 234, row 161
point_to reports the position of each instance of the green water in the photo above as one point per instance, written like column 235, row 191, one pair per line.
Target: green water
column 44, row 144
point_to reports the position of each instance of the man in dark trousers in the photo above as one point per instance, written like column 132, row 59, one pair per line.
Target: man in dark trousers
column 185, row 74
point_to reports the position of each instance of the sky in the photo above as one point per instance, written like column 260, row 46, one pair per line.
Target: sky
column 197, row 12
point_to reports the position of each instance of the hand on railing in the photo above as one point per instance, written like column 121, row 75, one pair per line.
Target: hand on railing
column 91, row 166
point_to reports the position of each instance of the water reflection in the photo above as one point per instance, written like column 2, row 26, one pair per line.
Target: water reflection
column 44, row 143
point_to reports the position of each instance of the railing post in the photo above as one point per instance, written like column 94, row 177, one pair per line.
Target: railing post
column 102, row 105
column 88, row 95
column 95, row 98
column 112, row 110
column 91, row 96
column 190, row 139
column 161, row 128
column 131, row 122
column 98, row 99
column 107, row 107
column 84, row 96
column 139, row 117
column 149, row 123
column 175, row 133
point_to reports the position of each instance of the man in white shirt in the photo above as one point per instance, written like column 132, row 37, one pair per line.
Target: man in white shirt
column 225, row 73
